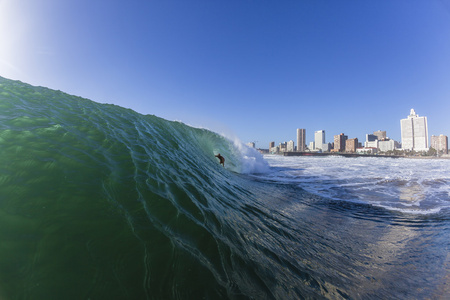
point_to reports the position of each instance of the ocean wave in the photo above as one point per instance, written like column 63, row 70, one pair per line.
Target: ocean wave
column 86, row 176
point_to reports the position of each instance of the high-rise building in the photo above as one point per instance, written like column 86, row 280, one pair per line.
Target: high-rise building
column 439, row 143
column 380, row 134
column 319, row 139
column 290, row 146
column 414, row 132
column 272, row 148
column 371, row 137
column 301, row 140
column 351, row 145
column 339, row 142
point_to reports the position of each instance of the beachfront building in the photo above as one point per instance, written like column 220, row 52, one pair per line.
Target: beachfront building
column 381, row 135
column 290, row 146
column 366, row 150
column 414, row 130
column 351, row 145
column 371, row 144
column 439, row 143
column 319, row 139
column 312, row 146
column 282, row 147
column 388, row 145
column 301, row 139
column 339, row 142
column 371, row 141
column 371, row 137
column 327, row 147
column 382, row 145
column 272, row 148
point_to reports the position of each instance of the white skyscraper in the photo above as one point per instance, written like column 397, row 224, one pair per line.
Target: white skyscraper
column 290, row 146
column 414, row 132
column 319, row 139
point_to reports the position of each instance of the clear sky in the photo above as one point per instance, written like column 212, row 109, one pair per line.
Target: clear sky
column 255, row 69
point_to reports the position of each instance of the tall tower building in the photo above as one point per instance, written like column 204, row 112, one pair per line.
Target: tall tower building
column 339, row 142
column 301, row 142
column 414, row 132
column 319, row 139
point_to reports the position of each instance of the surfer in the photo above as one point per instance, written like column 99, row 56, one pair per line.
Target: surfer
column 221, row 159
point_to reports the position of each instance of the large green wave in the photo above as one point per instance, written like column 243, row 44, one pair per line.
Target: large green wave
column 98, row 201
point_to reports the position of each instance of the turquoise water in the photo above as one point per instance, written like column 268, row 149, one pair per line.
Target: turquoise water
column 100, row 202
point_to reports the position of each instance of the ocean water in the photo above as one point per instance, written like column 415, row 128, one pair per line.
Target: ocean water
column 100, row 202
column 411, row 186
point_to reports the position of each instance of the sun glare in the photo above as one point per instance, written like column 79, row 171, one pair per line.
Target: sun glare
column 14, row 37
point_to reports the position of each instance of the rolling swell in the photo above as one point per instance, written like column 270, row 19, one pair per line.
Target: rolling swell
column 97, row 201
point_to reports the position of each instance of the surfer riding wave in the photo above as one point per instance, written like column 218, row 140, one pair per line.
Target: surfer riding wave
column 221, row 159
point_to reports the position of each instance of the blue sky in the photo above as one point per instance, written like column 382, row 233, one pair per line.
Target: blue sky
column 257, row 70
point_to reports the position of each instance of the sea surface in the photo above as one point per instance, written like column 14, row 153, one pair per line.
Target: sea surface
column 100, row 202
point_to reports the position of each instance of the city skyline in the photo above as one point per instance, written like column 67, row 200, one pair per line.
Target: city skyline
column 414, row 136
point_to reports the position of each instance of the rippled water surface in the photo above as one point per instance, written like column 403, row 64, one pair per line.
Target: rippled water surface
column 419, row 186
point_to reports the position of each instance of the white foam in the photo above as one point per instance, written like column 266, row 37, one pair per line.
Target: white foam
column 251, row 160
column 407, row 185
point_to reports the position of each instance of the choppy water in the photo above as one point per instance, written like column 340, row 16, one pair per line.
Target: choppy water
column 418, row 186
column 99, row 202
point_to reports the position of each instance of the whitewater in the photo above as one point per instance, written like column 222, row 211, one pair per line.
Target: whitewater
column 100, row 202
column 408, row 185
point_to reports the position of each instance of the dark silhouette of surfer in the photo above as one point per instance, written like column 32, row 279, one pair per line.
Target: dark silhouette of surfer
column 221, row 159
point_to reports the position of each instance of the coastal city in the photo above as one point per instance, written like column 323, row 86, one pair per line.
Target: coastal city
column 414, row 142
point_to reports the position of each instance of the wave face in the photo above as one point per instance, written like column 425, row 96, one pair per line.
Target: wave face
column 100, row 202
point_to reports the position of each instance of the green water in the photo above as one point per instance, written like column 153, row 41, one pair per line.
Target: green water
column 86, row 191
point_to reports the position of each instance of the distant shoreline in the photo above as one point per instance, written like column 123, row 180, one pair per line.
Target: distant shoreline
column 337, row 154
column 355, row 155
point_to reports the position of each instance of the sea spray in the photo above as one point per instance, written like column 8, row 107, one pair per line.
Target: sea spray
column 251, row 160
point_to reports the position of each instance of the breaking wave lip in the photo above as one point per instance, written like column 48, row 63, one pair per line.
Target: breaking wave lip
column 252, row 161
column 249, row 160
